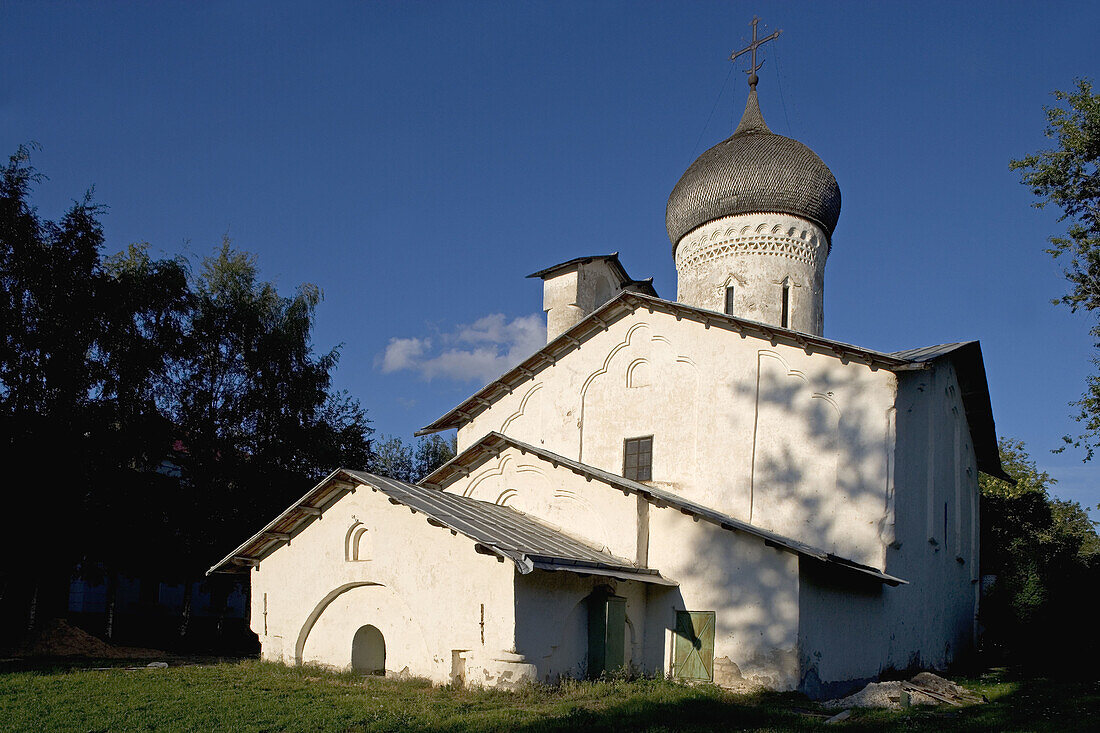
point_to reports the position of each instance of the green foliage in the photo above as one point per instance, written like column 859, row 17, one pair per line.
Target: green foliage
column 400, row 460
column 150, row 417
column 253, row 404
column 432, row 452
column 1043, row 552
column 1068, row 177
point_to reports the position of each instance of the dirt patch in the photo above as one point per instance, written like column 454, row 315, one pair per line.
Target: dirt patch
column 60, row 639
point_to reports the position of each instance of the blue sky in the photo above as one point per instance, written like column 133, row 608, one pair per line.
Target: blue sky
column 417, row 160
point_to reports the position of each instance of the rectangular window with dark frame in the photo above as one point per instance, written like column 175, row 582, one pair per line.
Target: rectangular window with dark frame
column 729, row 300
column 638, row 458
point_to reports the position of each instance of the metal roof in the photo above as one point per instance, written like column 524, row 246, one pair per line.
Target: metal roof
column 753, row 171
column 625, row 281
column 930, row 353
column 491, row 444
column 626, row 303
column 498, row 530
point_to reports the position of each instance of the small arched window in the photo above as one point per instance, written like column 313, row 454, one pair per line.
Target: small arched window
column 729, row 300
column 785, row 319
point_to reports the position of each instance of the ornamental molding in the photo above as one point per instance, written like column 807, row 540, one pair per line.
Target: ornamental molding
column 786, row 237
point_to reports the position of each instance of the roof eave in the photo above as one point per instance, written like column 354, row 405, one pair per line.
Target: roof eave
column 628, row 302
column 491, row 444
column 266, row 540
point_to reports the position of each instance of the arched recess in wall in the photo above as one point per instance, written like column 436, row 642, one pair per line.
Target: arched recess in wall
column 368, row 650
column 637, row 373
column 630, row 336
column 502, row 467
column 356, row 543
column 311, row 619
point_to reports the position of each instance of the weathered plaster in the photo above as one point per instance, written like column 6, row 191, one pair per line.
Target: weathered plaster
column 422, row 587
column 569, row 296
column 849, row 631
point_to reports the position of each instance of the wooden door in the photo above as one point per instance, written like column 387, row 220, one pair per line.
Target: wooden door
column 693, row 652
column 606, row 634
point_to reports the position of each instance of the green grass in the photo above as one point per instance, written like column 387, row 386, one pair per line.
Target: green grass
column 254, row 696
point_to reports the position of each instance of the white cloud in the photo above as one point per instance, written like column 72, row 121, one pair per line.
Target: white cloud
column 478, row 351
column 403, row 354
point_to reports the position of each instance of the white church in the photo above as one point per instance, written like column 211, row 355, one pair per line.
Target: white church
column 704, row 488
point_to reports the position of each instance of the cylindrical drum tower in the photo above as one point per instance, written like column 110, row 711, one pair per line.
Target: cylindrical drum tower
column 751, row 223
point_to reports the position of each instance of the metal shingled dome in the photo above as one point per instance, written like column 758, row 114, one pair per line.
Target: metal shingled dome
column 753, row 171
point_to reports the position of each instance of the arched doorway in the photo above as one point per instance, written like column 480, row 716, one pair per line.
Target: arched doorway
column 368, row 651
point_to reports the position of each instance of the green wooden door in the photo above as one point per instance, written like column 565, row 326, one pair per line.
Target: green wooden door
column 606, row 634
column 693, row 653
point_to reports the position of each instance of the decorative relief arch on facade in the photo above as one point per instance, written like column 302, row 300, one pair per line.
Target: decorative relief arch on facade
column 528, row 488
column 398, row 609
column 636, row 336
column 522, row 409
column 687, row 361
column 311, row 619
column 572, row 497
column 769, row 354
column 790, row 238
column 356, row 542
column 627, row 340
column 502, row 466
column 637, row 373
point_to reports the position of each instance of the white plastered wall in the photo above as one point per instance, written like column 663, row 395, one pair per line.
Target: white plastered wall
column 421, row 586
column 792, row 442
column 753, row 589
column 756, row 254
column 569, row 296
column 552, row 622
column 591, row 512
column 852, row 631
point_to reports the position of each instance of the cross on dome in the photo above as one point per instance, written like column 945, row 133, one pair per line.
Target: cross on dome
column 753, row 78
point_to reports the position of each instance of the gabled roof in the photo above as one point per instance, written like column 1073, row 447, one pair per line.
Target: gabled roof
column 625, row 304
column 625, row 281
column 496, row 530
column 966, row 357
column 492, row 444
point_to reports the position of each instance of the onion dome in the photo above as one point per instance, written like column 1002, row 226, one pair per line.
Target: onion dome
column 753, row 171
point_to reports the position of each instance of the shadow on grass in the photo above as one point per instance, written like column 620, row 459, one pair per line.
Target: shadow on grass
column 259, row 696
column 75, row 663
column 1016, row 703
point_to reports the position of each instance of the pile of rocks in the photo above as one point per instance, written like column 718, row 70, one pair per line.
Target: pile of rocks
column 924, row 689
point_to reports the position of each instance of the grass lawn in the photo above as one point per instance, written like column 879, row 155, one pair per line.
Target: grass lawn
column 254, row 696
